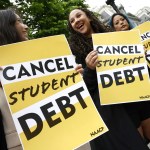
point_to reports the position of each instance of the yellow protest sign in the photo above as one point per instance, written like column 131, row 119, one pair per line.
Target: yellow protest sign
column 121, row 70
column 144, row 29
column 49, row 101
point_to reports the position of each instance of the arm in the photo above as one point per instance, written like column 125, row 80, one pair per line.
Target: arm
column 90, row 79
column 89, row 72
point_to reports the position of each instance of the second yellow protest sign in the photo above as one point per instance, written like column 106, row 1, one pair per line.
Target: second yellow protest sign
column 121, row 70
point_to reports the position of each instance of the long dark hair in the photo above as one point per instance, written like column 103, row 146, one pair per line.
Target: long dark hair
column 79, row 43
column 8, row 32
column 131, row 25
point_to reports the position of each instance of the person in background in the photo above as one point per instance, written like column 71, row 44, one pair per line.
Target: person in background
column 12, row 30
column 122, row 134
column 120, row 22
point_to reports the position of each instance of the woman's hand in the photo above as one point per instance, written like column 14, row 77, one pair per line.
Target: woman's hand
column 92, row 59
column 79, row 68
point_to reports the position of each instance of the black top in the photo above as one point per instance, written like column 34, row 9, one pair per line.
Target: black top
column 122, row 134
column 3, row 145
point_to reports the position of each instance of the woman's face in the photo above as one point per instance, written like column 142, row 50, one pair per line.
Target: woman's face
column 80, row 22
column 21, row 28
column 120, row 23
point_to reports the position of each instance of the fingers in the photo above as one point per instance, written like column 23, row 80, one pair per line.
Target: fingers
column 92, row 59
column 79, row 68
column 92, row 56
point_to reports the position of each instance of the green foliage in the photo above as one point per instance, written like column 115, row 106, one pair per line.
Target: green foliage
column 5, row 4
column 47, row 17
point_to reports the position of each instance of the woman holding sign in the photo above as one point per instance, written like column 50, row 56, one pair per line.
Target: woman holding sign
column 120, row 22
column 12, row 30
column 122, row 134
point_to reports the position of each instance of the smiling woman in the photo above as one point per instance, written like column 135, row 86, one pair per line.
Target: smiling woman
column 82, row 26
column 12, row 28
column 122, row 135
column 21, row 28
